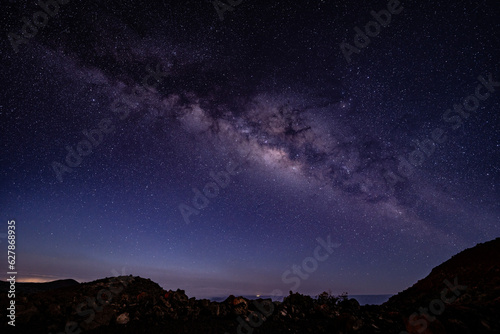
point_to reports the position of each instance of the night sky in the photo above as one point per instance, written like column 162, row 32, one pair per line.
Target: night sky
column 210, row 154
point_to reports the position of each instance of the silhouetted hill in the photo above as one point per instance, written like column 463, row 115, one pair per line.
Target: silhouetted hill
column 468, row 286
column 28, row 288
column 462, row 295
column 478, row 268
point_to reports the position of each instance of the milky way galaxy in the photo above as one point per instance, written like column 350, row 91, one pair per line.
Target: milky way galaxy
column 117, row 117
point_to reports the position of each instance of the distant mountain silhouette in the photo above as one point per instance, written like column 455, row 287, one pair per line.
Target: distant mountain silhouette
column 462, row 295
column 28, row 288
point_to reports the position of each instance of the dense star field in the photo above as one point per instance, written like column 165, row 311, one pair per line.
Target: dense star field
column 249, row 147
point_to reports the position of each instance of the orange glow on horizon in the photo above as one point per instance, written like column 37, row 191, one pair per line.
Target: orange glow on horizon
column 39, row 279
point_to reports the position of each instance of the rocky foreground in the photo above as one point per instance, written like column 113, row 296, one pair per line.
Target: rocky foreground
column 461, row 295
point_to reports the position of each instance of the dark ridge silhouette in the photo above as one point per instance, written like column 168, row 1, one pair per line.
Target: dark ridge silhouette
column 470, row 303
column 478, row 268
column 476, row 301
column 29, row 288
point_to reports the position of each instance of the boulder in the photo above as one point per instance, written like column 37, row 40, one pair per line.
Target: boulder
column 123, row 319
